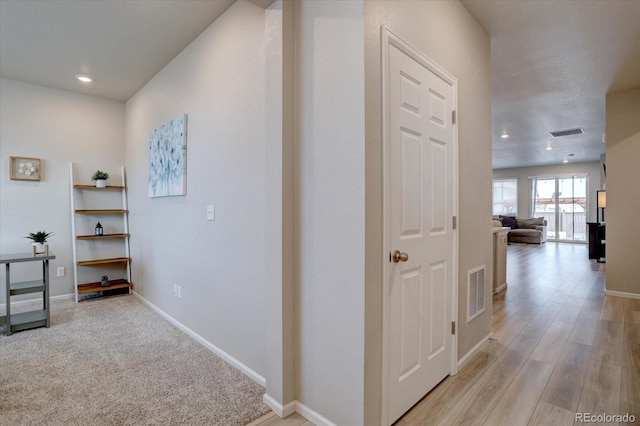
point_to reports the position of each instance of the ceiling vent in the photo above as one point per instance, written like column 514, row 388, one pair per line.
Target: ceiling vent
column 567, row 132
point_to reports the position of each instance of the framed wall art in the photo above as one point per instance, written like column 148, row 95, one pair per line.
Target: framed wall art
column 25, row 168
column 168, row 159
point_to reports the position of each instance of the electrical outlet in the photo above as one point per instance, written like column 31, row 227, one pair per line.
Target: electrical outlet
column 175, row 290
column 60, row 271
column 179, row 292
column 211, row 213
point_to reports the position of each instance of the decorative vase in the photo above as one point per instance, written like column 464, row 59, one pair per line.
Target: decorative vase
column 101, row 183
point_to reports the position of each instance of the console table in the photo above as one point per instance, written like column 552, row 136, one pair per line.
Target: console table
column 597, row 236
column 31, row 319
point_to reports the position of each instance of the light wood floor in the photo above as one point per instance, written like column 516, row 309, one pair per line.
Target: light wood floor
column 560, row 347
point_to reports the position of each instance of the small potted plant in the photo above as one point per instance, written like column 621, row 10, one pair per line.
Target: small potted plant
column 101, row 178
column 104, row 281
column 39, row 241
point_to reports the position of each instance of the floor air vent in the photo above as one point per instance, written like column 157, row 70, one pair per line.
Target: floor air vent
column 475, row 292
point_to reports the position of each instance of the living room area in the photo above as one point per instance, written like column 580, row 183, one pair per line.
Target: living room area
column 556, row 158
column 552, row 144
column 564, row 196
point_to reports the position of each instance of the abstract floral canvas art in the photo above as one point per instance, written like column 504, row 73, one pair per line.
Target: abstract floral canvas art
column 168, row 159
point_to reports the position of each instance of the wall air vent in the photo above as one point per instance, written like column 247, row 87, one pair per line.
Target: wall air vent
column 475, row 292
column 567, row 132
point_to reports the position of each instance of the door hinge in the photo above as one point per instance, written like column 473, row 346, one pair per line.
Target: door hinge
column 453, row 327
column 453, row 117
column 455, row 222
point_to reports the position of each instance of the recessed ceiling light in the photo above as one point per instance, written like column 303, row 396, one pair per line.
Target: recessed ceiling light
column 549, row 148
column 504, row 135
column 84, row 78
column 565, row 161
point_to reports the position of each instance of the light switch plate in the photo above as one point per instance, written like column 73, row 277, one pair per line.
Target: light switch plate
column 211, row 213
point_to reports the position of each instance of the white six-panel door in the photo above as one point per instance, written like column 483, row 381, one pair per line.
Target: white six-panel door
column 420, row 197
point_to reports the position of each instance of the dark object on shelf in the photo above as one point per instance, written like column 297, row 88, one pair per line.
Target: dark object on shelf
column 99, row 230
column 104, row 281
column 96, row 287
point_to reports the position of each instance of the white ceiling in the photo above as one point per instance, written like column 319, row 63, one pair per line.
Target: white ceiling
column 122, row 44
column 552, row 64
column 553, row 61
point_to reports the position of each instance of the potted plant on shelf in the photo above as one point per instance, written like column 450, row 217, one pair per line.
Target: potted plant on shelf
column 101, row 178
column 39, row 241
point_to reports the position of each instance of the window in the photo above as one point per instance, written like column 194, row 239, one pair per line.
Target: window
column 505, row 196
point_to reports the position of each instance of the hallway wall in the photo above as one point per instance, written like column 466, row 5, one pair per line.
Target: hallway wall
column 623, row 192
column 219, row 82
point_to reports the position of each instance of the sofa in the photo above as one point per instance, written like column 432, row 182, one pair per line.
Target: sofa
column 532, row 230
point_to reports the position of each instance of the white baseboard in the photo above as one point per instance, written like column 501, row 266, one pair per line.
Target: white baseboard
column 313, row 416
column 281, row 410
column 204, row 342
column 37, row 299
column 64, row 296
column 500, row 288
column 622, row 294
column 296, row 407
column 467, row 357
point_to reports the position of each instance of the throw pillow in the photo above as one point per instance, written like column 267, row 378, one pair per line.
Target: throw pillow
column 508, row 221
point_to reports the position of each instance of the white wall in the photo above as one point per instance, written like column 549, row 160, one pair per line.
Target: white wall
column 58, row 127
column 331, row 218
column 219, row 81
column 623, row 191
column 593, row 169
column 280, row 253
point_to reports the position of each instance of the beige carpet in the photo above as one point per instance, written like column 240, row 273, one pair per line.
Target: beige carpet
column 114, row 361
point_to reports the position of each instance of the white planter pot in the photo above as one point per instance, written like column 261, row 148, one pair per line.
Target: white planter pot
column 39, row 248
column 101, row 183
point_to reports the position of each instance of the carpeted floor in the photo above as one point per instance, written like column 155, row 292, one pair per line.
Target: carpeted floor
column 114, row 361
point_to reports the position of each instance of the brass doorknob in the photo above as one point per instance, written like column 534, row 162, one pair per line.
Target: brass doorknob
column 399, row 256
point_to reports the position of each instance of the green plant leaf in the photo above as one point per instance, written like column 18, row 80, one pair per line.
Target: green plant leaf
column 100, row 175
column 39, row 237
